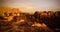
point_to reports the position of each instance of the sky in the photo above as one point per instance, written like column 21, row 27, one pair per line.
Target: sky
column 31, row 5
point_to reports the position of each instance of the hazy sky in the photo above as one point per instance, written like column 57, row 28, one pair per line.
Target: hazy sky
column 30, row 5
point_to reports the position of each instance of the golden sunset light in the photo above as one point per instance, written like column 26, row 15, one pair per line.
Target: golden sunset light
column 29, row 15
column 31, row 5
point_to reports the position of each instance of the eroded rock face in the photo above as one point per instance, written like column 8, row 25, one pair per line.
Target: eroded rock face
column 22, row 22
column 50, row 18
column 8, row 13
